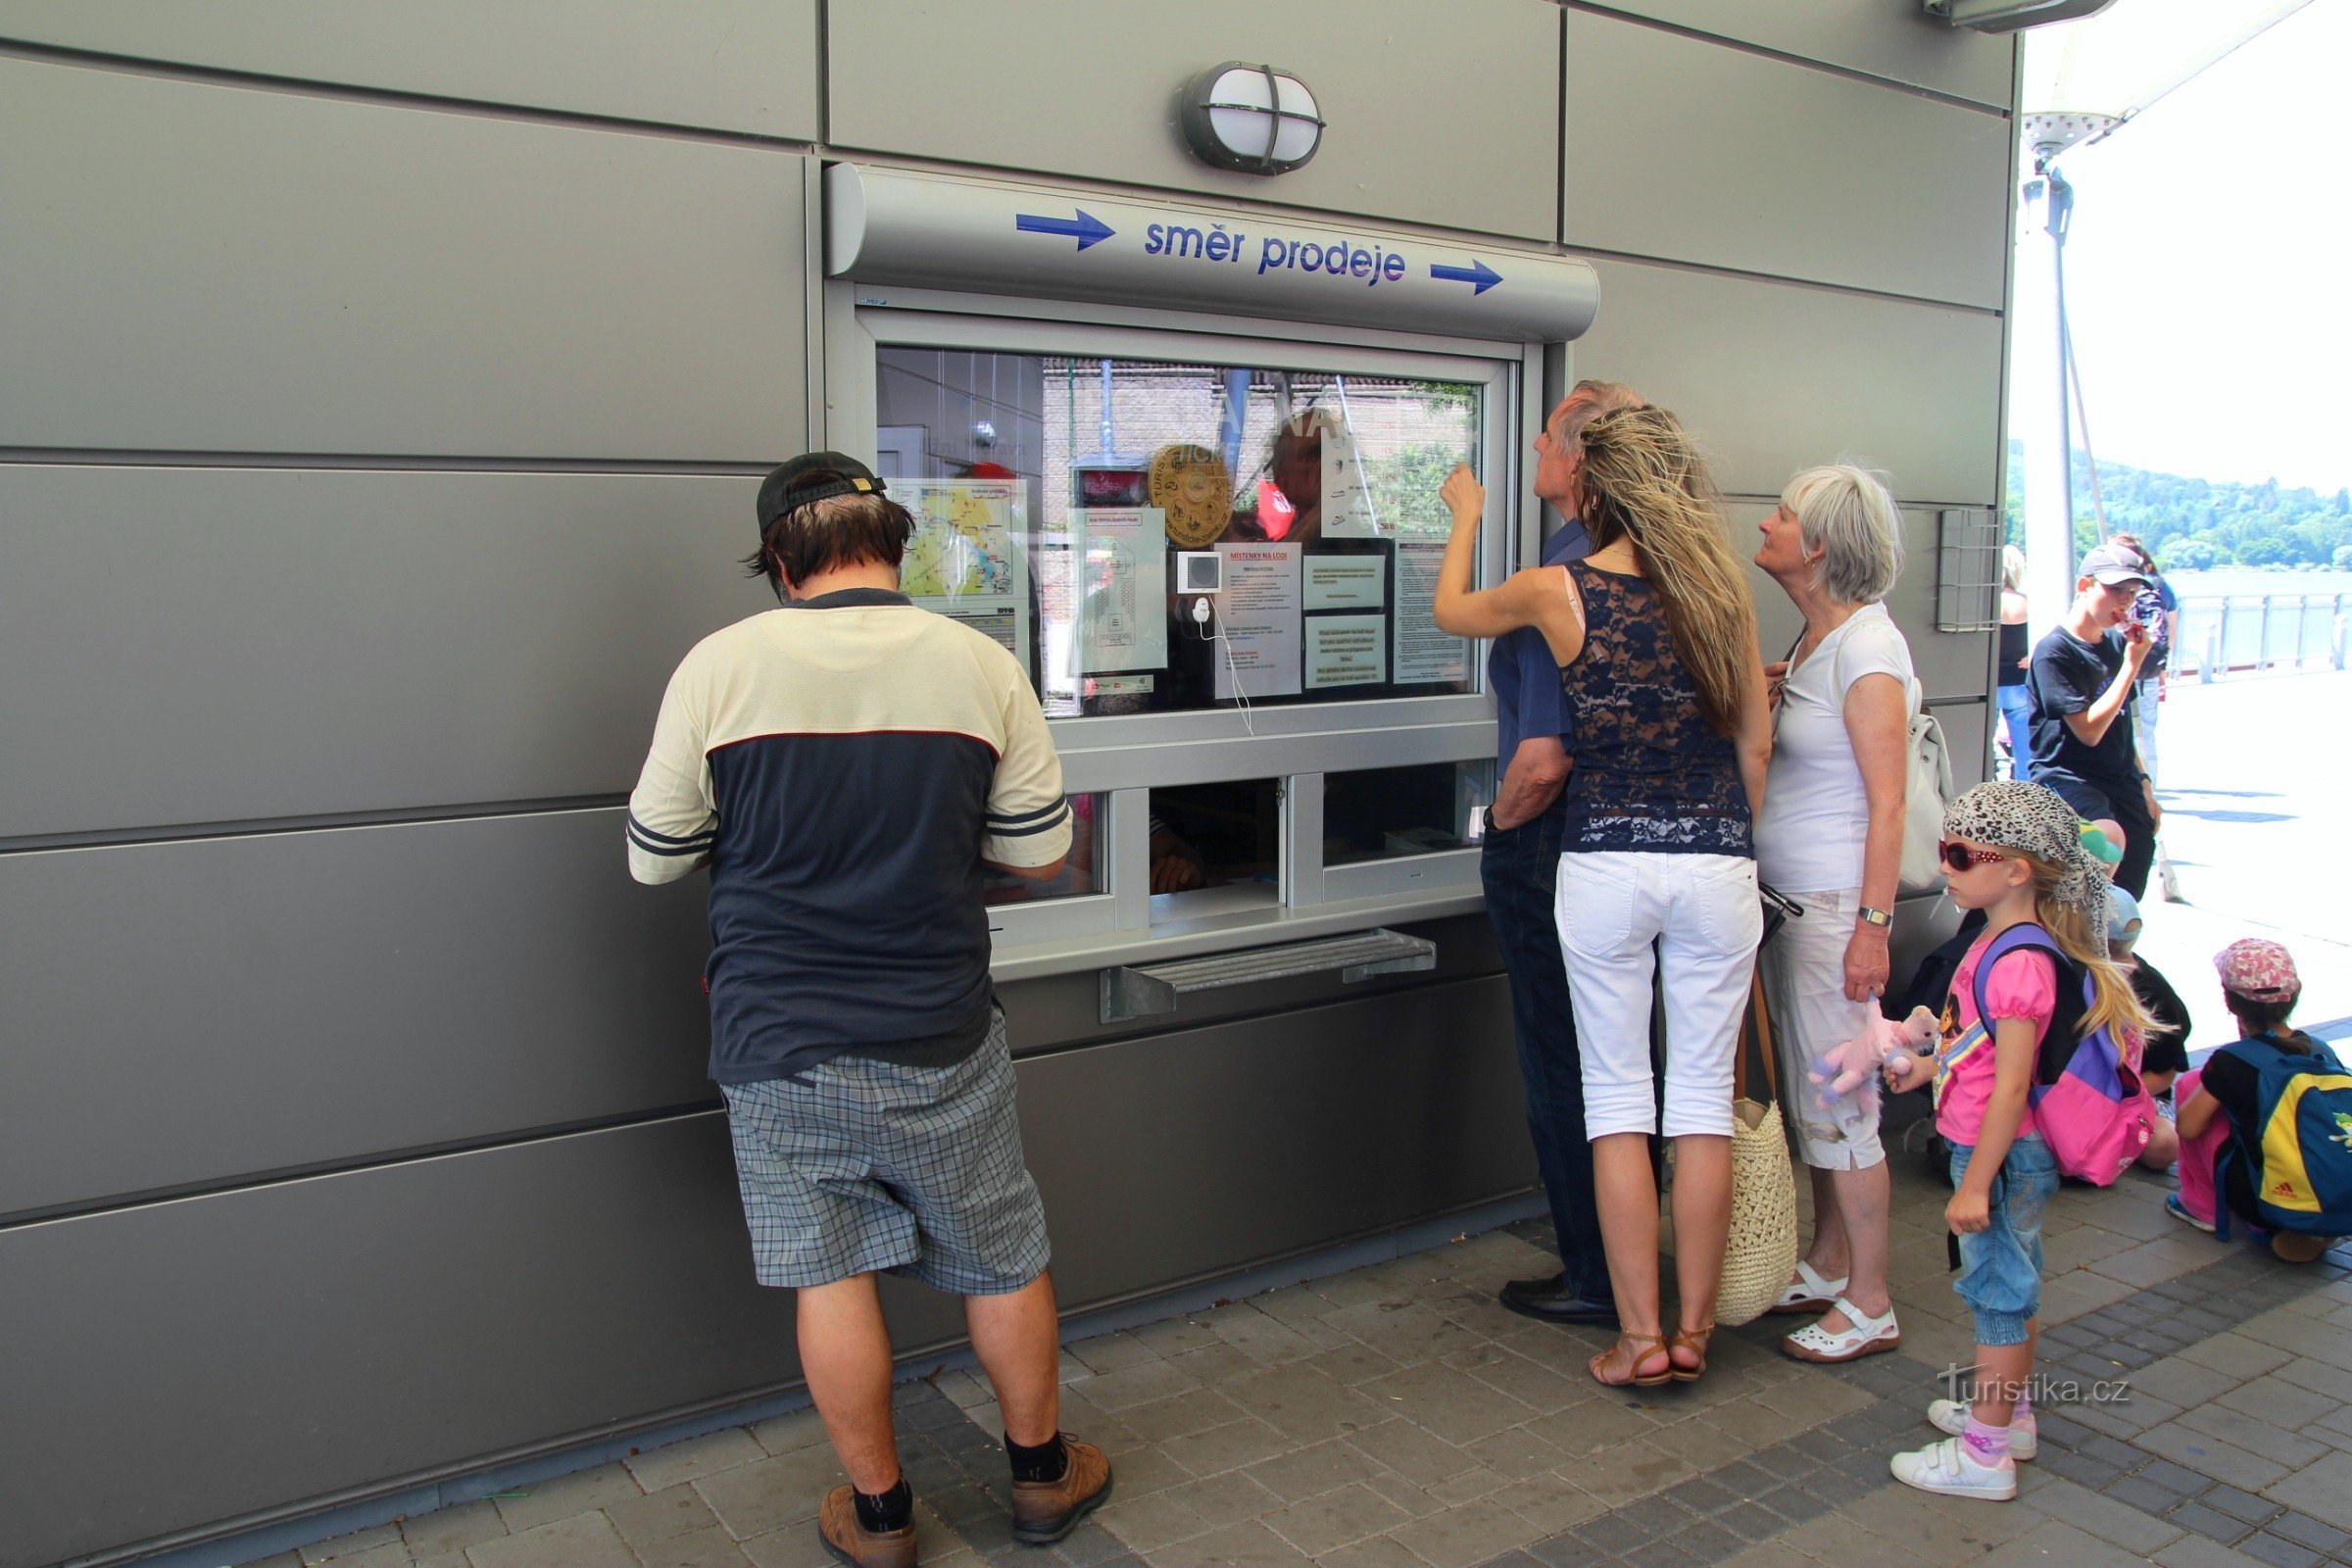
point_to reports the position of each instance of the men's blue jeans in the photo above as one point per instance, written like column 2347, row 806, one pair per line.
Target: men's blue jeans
column 1521, row 870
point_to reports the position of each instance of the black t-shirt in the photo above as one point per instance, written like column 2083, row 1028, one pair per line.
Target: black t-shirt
column 2168, row 1040
column 2234, row 1083
column 2067, row 676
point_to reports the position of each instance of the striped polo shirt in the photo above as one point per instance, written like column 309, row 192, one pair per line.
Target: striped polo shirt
column 845, row 764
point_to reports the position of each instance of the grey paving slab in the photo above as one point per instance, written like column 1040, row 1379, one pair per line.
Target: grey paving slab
column 658, row 1515
column 681, row 1463
column 2322, row 1490
column 581, row 1540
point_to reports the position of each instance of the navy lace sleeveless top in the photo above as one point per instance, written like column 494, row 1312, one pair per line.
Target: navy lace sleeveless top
column 1650, row 773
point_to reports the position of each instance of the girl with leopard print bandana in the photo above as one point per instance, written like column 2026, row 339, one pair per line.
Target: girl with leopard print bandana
column 2014, row 850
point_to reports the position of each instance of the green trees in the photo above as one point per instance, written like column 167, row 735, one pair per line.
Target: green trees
column 2195, row 524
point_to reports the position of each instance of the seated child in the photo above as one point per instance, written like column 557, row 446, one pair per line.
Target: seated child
column 2259, row 987
column 2166, row 1055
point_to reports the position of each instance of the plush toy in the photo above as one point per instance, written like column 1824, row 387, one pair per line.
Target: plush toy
column 1854, row 1063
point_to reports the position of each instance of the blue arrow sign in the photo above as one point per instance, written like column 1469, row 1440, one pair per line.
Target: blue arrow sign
column 1478, row 272
column 1086, row 228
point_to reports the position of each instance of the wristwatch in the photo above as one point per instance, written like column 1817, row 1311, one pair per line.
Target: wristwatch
column 1878, row 917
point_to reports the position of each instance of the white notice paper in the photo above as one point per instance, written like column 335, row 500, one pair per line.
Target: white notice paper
column 1258, row 615
column 1346, row 505
column 1346, row 582
column 1345, row 651
column 964, row 559
column 1424, row 655
column 1123, row 571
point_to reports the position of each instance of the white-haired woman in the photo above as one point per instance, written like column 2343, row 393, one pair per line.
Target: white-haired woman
column 1830, row 837
column 2016, row 654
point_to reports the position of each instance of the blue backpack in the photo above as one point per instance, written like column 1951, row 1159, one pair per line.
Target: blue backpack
column 2298, row 1153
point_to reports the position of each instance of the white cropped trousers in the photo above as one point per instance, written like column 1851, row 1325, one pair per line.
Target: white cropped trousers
column 1703, row 911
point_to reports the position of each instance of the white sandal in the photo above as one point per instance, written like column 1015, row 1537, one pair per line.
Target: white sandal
column 1809, row 1292
column 1863, row 1336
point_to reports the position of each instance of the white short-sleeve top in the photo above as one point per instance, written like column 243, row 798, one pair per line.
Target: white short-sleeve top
column 1809, row 836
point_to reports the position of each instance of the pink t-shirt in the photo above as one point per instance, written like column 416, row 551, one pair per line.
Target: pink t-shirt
column 2023, row 985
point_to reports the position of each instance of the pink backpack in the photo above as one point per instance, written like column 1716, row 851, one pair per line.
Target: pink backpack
column 2088, row 1104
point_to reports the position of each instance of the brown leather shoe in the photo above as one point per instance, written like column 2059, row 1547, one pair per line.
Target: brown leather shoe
column 838, row 1527
column 1044, row 1511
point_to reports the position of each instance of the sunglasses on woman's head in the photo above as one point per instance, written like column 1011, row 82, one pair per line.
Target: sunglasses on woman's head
column 1959, row 856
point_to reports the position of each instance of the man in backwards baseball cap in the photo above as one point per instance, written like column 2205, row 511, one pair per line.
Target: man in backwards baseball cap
column 2080, row 683
column 846, row 765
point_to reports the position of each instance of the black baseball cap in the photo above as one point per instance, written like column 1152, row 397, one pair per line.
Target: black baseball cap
column 812, row 476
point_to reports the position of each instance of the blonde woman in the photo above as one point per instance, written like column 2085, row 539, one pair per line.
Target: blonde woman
column 1831, row 838
column 1656, row 638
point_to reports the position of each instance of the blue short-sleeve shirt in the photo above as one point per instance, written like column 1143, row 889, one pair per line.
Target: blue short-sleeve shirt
column 1521, row 671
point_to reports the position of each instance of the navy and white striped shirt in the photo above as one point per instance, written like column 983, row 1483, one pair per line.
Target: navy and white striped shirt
column 845, row 764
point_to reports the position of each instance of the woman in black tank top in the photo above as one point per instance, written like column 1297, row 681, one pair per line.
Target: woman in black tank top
column 1655, row 636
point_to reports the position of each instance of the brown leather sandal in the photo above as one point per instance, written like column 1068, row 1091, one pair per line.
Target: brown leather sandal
column 1696, row 1342
column 1635, row 1346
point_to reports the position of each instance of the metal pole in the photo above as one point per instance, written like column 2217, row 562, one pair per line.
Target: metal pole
column 2220, row 663
column 2038, row 375
column 2262, row 643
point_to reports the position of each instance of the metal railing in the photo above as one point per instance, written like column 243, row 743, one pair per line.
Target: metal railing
column 2248, row 633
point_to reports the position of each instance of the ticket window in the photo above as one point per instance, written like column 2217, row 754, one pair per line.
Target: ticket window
column 1215, row 846
column 1075, row 483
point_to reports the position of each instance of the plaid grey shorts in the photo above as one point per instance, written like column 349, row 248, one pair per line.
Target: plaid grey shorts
column 862, row 1166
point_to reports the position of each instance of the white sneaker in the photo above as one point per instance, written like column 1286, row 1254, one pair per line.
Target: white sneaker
column 1948, row 1468
column 1951, row 1415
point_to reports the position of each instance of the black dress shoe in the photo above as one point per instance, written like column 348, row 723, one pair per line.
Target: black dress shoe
column 1548, row 1300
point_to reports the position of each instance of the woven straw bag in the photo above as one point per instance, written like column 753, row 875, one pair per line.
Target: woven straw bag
column 1760, row 1254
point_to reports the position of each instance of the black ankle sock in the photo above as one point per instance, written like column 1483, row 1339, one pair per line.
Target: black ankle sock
column 1048, row 1461
column 892, row 1510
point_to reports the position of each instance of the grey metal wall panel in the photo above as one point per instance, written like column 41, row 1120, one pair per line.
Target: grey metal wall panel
column 1418, row 95
column 286, row 641
column 200, row 268
column 196, row 1013
column 175, row 1364
column 1355, row 1118
column 1947, row 663
column 1689, row 151
column 727, row 65
column 1967, row 741
column 1891, row 38
column 1775, row 376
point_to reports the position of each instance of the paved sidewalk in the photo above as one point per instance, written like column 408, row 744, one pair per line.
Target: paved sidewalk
column 1395, row 1417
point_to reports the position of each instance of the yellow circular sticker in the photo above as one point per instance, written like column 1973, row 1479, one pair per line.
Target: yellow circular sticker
column 1191, row 486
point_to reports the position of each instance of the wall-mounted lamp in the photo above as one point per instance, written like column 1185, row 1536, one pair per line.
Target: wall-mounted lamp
column 1250, row 117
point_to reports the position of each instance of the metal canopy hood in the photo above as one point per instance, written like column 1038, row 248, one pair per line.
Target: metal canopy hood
column 894, row 227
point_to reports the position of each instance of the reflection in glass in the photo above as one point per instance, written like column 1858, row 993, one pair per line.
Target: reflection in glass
column 1383, row 812
column 1216, row 835
column 1051, row 492
column 1081, row 875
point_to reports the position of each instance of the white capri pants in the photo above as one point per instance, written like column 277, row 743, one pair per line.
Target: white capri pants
column 1804, row 980
column 1703, row 911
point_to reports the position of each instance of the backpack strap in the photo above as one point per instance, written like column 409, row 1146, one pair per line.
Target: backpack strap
column 2066, row 1014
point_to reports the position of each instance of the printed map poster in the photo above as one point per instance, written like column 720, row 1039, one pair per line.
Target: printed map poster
column 1346, row 505
column 1424, row 655
column 1259, row 619
column 1122, row 562
column 965, row 559
column 1347, row 650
